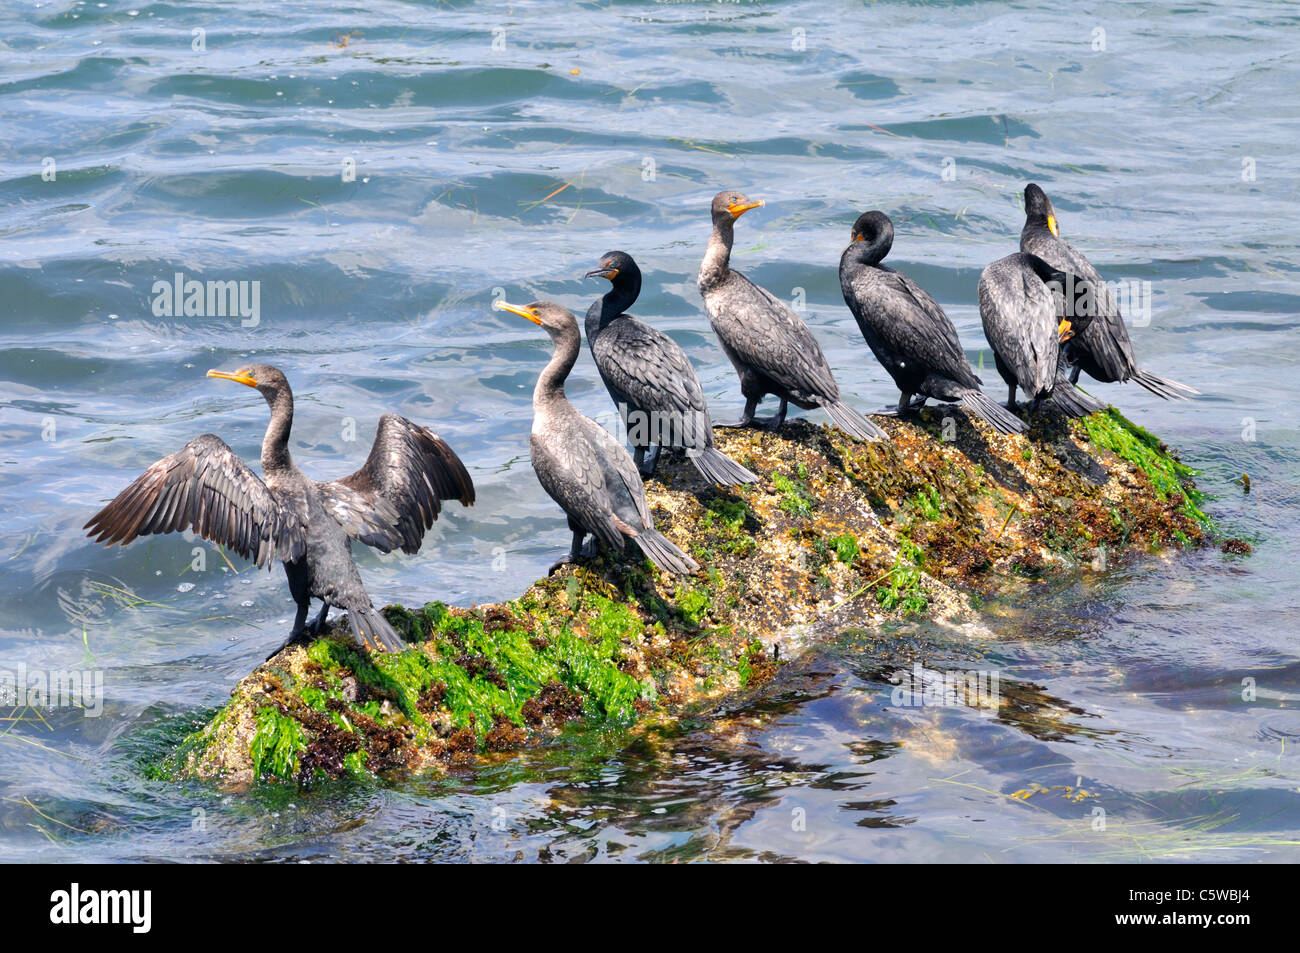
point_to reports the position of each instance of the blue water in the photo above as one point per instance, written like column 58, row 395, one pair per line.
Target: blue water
column 1167, row 144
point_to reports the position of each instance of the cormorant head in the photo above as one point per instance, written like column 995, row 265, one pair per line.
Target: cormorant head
column 1038, row 208
column 729, row 206
column 875, row 232
column 553, row 318
column 269, row 381
column 616, row 265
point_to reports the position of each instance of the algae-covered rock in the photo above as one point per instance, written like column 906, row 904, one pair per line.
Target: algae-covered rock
column 837, row 533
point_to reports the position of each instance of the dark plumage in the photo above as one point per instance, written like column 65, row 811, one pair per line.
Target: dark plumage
column 650, row 379
column 771, row 348
column 907, row 330
column 1103, row 349
column 1019, row 308
column 284, row 515
column 579, row 464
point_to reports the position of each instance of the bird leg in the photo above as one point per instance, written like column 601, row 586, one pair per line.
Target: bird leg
column 1011, row 397
column 1074, row 373
column 575, row 551
column 906, row 404
column 298, row 630
column 638, row 455
column 747, row 417
column 774, row 422
column 649, row 470
column 318, row 625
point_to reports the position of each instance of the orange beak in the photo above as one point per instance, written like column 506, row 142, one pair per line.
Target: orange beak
column 528, row 313
column 1051, row 225
column 244, row 379
column 1064, row 331
column 739, row 210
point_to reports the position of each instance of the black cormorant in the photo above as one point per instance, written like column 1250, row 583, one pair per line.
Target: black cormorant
column 1022, row 321
column 579, row 464
column 771, row 348
column 1103, row 348
column 907, row 330
column 650, row 379
column 286, row 516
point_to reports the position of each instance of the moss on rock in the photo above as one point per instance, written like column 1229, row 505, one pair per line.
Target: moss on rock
column 836, row 534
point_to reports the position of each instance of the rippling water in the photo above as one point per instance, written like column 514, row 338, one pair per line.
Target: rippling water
column 508, row 146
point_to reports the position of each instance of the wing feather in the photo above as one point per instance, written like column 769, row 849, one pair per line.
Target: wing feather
column 203, row 487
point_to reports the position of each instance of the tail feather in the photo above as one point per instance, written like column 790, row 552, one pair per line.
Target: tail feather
column 852, row 422
column 717, row 467
column 992, row 413
column 1071, row 400
column 1163, row 387
column 664, row 553
column 373, row 631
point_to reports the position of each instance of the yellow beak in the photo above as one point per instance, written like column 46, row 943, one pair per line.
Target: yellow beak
column 858, row 237
column 244, row 379
column 1064, row 331
column 739, row 210
column 528, row 313
column 1051, row 225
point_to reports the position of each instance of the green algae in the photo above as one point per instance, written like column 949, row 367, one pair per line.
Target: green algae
column 1169, row 476
column 276, row 745
column 901, row 588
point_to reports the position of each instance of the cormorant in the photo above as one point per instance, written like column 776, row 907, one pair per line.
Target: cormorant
column 1020, row 315
column 771, row 348
column 907, row 330
column 285, row 515
column 579, row 464
column 1102, row 349
column 650, row 379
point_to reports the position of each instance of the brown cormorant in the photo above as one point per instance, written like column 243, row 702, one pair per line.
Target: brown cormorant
column 651, row 380
column 1022, row 322
column 286, row 516
column 1103, row 348
column 771, row 348
column 579, row 464
column 907, row 330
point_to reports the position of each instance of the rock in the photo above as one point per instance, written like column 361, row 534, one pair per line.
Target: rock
column 837, row 534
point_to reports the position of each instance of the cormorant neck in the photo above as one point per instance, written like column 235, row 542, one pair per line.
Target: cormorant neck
column 621, row 296
column 550, row 385
column 275, row 445
column 717, row 257
column 872, row 249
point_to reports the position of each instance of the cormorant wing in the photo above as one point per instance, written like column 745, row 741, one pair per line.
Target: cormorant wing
column 395, row 497
column 910, row 324
column 1019, row 317
column 648, row 366
column 778, row 342
column 571, row 470
column 206, row 488
column 1106, row 338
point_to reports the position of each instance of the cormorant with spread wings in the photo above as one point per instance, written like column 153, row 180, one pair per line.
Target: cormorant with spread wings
column 284, row 515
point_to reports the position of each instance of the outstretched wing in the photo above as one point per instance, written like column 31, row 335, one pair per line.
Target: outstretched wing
column 391, row 501
column 206, row 488
column 908, row 326
column 772, row 338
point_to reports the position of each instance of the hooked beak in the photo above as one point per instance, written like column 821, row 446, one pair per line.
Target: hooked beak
column 1064, row 331
column 1051, row 225
column 610, row 273
column 859, row 237
column 739, row 210
column 523, row 312
column 244, row 379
